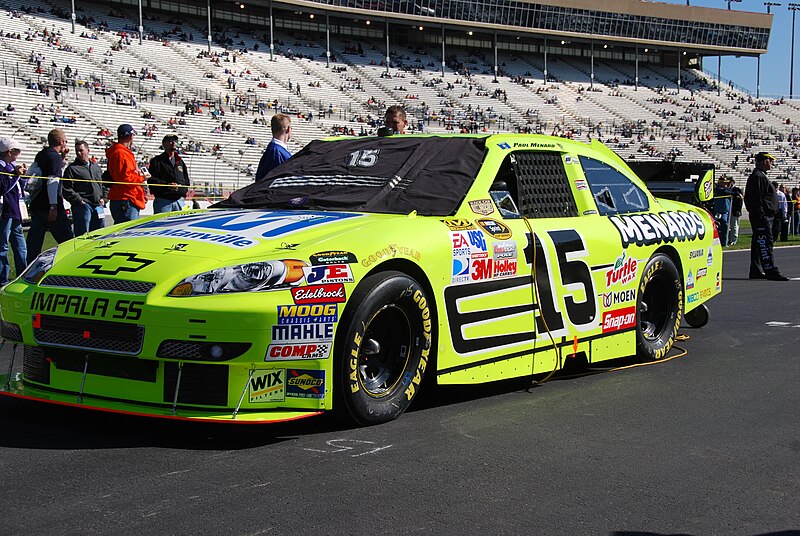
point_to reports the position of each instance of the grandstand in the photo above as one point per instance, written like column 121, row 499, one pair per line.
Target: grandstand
column 646, row 97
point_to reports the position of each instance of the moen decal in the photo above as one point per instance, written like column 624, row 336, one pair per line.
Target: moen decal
column 458, row 225
column 333, row 257
column 648, row 229
column 483, row 207
column 623, row 272
column 496, row 229
column 328, row 273
column 115, row 263
column 290, row 352
column 615, row 298
column 333, row 293
column 268, row 386
column 302, row 333
column 619, row 319
column 305, row 384
column 232, row 228
column 308, row 314
column 85, row 306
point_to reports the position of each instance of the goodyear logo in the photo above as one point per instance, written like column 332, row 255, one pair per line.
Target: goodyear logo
column 305, row 384
column 321, row 313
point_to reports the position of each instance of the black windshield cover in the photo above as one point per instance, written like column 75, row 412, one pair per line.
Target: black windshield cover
column 380, row 175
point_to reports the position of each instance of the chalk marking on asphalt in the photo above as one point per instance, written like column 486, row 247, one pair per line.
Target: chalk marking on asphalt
column 176, row 472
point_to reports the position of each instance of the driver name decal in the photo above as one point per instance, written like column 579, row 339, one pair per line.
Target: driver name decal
column 649, row 229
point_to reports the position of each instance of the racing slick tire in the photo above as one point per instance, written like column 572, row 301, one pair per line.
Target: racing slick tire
column 659, row 308
column 697, row 317
column 383, row 344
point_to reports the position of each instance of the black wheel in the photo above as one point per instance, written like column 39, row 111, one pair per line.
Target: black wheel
column 383, row 345
column 697, row 317
column 659, row 308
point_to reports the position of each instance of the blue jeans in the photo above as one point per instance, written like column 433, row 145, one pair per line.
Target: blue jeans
column 166, row 205
column 86, row 218
column 11, row 234
column 123, row 211
column 60, row 229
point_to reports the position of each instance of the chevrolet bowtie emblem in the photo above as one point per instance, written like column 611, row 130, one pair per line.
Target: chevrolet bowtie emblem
column 115, row 263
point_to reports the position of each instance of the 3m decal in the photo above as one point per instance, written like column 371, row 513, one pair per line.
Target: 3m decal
column 115, row 263
column 619, row 319
column 328, row 273
column 496, row 229
column 458, row 225
column 689, row 280
column 308, row 314
column 648, row 229
column 268, row 386
column 305, row 384
column 484, row 207
column 611, row 299
column 289, row 352
column 232, row 228
column 85, row 306
column 333, row 257
column 302, row 333
column 333, row 293
column 623, row 272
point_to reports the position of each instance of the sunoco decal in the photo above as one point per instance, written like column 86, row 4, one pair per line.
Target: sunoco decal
column 268, row 386
column 648, row 229
column 237, row 229
column 305, row 384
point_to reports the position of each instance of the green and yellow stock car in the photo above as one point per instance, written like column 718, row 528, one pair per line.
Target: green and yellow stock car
column 357, row 268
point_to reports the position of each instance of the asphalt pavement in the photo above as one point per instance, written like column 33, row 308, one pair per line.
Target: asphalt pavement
column 705, row 444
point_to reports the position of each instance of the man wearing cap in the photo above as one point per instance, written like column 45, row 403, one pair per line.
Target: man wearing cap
column 277, row 152
column 761, row 204
column 47, row 205
column 169, row 177
column 126, row 195
column 85, row 191
column 11, row 184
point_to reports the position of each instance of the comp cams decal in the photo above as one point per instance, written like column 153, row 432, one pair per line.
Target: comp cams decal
column 268, row 386
column 648, row 229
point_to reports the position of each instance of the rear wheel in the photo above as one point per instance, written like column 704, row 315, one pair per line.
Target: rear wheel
column 659, row 308
column 383, row 347
column 697, row 317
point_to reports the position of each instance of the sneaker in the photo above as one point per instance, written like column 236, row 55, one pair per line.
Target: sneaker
column 776, row 276
column 758, row 276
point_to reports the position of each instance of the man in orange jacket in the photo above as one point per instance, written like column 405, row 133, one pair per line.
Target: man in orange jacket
column 126, row 194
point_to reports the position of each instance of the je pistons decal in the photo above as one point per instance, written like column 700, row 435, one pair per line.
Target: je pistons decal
column 305, row 384
column 268, row 386
column 328, row 273
column 115, row 263
column 494, row 228
column 649, row 229
column 333, row 257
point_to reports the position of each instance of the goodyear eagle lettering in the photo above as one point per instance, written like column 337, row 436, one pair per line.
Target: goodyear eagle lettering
column 649, row 229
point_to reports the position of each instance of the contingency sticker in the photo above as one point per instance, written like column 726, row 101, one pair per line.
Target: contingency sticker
column 483, row 207
column 268, row 386
column 305, row 384
column 471, row 259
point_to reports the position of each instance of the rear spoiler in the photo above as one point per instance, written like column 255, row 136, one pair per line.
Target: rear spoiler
column 689, row 182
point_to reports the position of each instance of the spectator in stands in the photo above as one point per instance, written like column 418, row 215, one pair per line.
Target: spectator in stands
column 169, row 177
column 11, row 185
column 126, row 195
column 47, row 204
column 737, row 200
column 761, row 204
column 85, row 191
column 395, row 119
column 277, row 151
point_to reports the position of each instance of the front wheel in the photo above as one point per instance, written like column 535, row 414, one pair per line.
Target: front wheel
column 697, row 317
column 383, row 347
column 659, row 308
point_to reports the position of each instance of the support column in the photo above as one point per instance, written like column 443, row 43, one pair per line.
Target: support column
column 208, row 9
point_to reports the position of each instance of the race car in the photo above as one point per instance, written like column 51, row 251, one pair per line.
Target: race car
column 357, row 268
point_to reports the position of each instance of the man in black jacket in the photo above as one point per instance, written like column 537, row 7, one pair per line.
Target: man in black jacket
column 169, row 177
column 762, row 204
column 84, row 190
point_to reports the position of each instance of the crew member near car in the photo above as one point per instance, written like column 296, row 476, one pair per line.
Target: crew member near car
column 84, row 191
column 277, row 152
column 126, row 194
column 762, row 204
column 169, row 177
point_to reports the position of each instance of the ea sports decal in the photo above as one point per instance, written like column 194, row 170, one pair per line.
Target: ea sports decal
column 471, row 261
column 494, row 228
column 268, row 386
column 483, row 207
column 649, row 229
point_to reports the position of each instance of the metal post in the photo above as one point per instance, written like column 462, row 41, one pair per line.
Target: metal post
column 443, row 63
column 793, row 8
column 141, row 24
column 636, row 71
column 591, row 77
column 719, row 75
column 208, row 9
column 244, row 392
column 545, row 60
column 327, row 39
column 758, row 76
column 496, row 68
column 388, row 58
column 271, row 42
column 73, row 16
column 679, row 71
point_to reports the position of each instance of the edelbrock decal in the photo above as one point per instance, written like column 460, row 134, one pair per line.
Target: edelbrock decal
column 648, row 229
